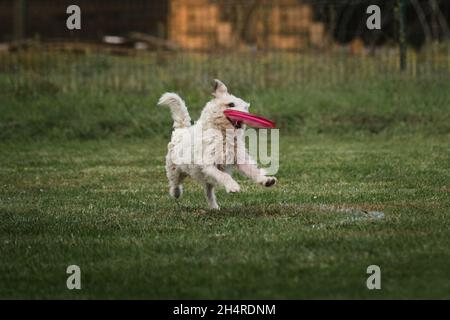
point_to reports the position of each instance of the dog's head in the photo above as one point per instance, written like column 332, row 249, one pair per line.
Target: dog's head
column 213, row 112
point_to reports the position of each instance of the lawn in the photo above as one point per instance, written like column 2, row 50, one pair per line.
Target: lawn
column 364, row 180
column 103, row 205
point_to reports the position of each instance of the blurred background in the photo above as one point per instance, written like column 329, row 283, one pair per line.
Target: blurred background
column 364, row 119
column 141, row 48
column 129, row 44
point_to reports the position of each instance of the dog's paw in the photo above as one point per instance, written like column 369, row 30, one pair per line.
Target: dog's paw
column 269, row 181
column 176, row 191
column 232, row 187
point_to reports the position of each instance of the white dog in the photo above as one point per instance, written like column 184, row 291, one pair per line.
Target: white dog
column 205, row 140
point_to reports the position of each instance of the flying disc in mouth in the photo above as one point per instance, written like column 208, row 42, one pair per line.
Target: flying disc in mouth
column 237, row 117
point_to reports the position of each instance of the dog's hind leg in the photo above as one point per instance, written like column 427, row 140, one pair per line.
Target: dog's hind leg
column 175, row 177
column 175, row 183
column 210, row 196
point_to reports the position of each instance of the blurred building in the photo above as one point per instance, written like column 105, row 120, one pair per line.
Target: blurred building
column 191, row 24
column 277, row 24
column 46, row 19
column 226, row 24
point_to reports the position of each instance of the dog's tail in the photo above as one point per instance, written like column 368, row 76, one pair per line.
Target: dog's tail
column 180, row 114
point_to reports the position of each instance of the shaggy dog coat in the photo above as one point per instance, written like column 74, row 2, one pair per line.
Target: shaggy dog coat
column 209, row 150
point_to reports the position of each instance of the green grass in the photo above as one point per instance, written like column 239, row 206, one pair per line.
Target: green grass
column 389, row 107
column 82, row 182
column 103, row 205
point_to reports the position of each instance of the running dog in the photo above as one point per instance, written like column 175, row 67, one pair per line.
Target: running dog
column 215, row 142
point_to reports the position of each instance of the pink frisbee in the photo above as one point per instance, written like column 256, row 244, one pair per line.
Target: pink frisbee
column 250, row 119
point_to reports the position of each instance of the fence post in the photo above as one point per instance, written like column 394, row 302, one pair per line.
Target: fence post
column 19, row 19
column 401, row 4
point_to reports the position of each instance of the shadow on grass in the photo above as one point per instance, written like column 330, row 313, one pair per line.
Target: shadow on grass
column 283, row 209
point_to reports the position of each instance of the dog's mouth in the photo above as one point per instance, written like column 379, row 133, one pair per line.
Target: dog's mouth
column 236, row 124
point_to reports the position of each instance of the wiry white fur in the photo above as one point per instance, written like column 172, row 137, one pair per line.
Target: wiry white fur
column 210, row 172
column 180, row 114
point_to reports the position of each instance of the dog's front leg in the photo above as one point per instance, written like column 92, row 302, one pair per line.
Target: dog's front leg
column 249, row 168
column 222, row 178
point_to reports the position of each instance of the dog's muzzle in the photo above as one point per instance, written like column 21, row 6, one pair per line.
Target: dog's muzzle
column 236, row 124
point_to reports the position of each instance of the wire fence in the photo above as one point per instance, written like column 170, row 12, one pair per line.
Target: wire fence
column 136, row 45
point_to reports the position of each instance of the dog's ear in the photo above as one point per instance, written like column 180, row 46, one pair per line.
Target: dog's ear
column 219, row 88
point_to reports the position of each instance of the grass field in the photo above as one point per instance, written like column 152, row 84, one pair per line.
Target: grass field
column 364, row 179
column 103, row 205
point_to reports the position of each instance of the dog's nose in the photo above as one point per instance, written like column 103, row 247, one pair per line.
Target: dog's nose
column 242, row 108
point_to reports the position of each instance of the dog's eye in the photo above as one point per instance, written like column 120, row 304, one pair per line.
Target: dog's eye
column 231, row 105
